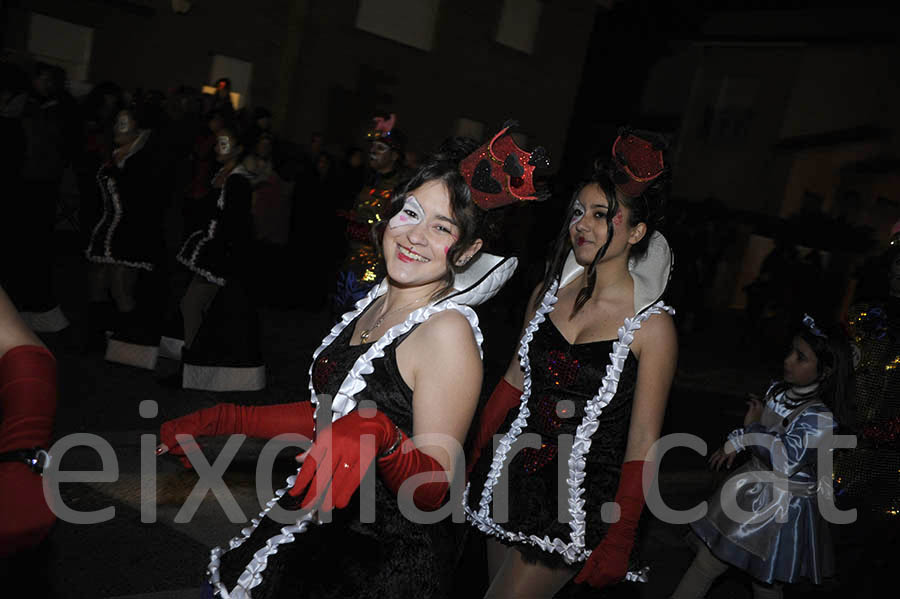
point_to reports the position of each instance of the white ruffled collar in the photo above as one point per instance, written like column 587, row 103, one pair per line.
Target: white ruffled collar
column 479, row 282
column 650, row 274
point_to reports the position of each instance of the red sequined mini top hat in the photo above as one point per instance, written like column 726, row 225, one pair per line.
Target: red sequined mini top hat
column 500, row 172
column 638, row 160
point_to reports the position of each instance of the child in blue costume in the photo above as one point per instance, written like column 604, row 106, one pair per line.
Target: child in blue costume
column 785, row 539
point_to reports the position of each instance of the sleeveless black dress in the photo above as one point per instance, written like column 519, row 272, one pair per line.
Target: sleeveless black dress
column 565, row 377
column 390, row 557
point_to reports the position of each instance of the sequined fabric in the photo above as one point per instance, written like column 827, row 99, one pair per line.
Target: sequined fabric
column 867, row 476
column 566, row 376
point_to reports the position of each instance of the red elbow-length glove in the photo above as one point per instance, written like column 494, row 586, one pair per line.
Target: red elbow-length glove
column 608, row 562
column 263, row 422
column 504, row 398
column 27, row 406
column 340, row 458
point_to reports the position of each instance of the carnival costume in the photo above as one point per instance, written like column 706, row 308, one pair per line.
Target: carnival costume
column 866, row 476
column 129, row 233
column 784, row 442
column 577, row 400
column 391, row 555
column 225, row 354
column 363, row 266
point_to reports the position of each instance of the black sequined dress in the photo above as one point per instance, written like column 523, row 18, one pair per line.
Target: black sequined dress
column 390, row 557
column 565, row 377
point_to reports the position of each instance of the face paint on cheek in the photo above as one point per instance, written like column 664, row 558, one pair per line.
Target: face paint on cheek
column 446, row 250
column 617, row 219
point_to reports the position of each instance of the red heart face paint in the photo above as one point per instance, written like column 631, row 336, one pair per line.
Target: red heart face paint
column 617, row 219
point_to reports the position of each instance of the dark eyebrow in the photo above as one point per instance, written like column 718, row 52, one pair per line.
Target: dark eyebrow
column 593, row 206
column 447, row 219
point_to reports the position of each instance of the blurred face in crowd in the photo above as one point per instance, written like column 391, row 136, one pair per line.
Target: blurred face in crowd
column 227, row 146
column 801, row 366
column 381, row 157
column 125, row 128
column 43, row 84
column 264, row 147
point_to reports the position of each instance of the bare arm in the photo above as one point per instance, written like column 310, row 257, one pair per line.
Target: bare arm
column 656, row 345
column 446, row 372
column 13, row 330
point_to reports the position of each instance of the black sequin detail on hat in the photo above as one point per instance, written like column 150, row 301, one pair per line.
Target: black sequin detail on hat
column 482, row 179
column 512, row 166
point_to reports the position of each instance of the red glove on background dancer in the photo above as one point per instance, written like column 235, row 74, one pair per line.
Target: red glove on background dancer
column 504, row 398
column 340, row 449
column 608, row 562
column 27, row 405
column 262, row 422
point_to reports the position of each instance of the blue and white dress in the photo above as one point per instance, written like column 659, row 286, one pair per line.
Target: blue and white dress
column 783, row 536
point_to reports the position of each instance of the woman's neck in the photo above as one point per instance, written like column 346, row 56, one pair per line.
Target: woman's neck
column 396, row 297
column 802, row 392
column 613, row 279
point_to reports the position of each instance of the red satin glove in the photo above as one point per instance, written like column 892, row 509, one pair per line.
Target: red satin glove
column 395, row 468
column 262, row 422
column 333, row 467
column 504, row 398
column 608, row 562
column 350, row 460
column 27, row 407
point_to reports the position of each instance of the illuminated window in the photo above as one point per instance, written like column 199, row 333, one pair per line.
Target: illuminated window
column 519, row 24
column 409, row 22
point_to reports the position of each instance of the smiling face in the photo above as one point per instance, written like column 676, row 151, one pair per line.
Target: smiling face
column 588, row 227
column 381, row 157
column 227, row 146
column 418, row 238
column 801, row 367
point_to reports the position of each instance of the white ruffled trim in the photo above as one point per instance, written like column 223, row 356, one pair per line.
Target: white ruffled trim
column 574, row 550
column 252, row 574
column 110, row 190
column 343, row 404
column 191, row 263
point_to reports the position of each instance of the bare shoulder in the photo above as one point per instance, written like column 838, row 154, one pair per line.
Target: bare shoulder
column 657, row 334
column 445, row 329
column 13, row 330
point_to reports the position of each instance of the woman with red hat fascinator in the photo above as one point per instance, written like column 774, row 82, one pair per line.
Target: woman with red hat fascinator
column 393, row 386
column 584, row 395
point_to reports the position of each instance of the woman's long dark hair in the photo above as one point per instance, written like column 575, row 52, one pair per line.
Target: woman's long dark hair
column 645, row 208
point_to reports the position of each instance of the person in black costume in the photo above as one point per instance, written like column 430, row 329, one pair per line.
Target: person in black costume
column 586, row 394
column 221, row 324
column 408, row 357
column 126, row 243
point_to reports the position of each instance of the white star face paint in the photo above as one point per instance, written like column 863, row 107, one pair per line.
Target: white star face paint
column 412, row 213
